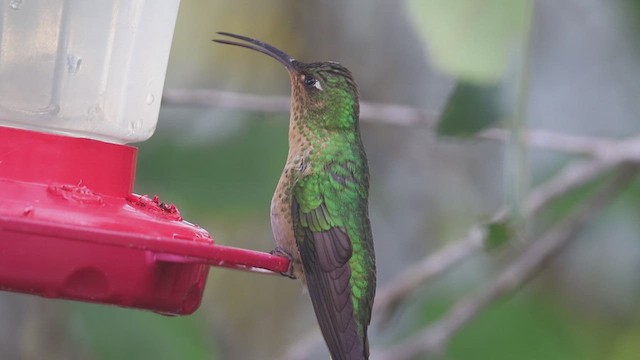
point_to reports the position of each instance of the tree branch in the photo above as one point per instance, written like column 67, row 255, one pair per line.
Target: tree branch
column 378, row 113
column 405, row 283
column 432, row 340
column 569, row 178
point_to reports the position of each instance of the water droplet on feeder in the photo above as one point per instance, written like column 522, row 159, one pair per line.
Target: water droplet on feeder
column 134, row 126
column 150, row 99
column 73, row 63
column 94, row 112
column 15, row 4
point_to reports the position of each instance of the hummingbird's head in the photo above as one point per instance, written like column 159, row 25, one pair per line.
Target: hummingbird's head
column 324, row 94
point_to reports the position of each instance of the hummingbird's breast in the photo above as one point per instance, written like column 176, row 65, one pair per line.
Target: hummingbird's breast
column 297, row 167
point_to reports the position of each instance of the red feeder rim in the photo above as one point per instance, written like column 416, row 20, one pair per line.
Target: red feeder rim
column 70, row 228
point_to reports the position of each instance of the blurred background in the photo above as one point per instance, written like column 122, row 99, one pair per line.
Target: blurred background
column 577, row 61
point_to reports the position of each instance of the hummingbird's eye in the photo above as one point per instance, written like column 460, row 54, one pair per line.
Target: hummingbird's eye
column 310, row 81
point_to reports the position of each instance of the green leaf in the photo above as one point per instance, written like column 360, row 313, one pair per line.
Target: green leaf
column 470, row 39
column 499, row 233
column 470, row 109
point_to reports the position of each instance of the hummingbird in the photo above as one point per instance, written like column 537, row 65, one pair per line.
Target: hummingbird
column 319, row 211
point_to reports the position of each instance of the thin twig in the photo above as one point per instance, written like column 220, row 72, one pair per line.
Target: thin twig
column 225, row 99
column 433, row 339
column 567, row 179
column 392, row 295
column 579, row 173
column 371, row 112
column 379, row 113
column 566, row 143
column 516, row 149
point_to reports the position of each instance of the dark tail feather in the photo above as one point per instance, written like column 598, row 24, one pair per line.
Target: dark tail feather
column 360, row 351
column 366, row 345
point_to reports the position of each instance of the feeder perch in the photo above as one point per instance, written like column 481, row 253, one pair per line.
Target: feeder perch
column 78, row 81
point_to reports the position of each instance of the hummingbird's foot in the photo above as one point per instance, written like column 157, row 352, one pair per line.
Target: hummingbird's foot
column 278, row 251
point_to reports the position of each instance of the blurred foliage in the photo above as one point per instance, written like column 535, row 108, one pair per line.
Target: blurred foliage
column 112, row 333
column 469, row 39
column 470, row 109
column 627, row 345
column 236, row 174
column 524, row 327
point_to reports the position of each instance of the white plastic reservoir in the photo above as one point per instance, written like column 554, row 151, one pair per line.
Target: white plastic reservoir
column 85, row 68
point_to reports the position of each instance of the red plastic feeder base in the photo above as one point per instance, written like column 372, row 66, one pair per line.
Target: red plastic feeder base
column 70, row 228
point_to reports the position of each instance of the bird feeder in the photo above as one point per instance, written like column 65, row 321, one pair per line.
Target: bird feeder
column 78, row 81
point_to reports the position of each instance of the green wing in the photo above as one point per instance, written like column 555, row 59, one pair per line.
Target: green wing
column 326, row 208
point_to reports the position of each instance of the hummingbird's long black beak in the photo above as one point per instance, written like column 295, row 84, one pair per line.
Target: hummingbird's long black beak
column 260, row 46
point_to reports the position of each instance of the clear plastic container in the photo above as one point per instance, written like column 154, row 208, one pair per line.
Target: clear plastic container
column 85, row 68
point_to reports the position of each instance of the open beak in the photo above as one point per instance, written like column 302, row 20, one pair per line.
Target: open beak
column 260, row 46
